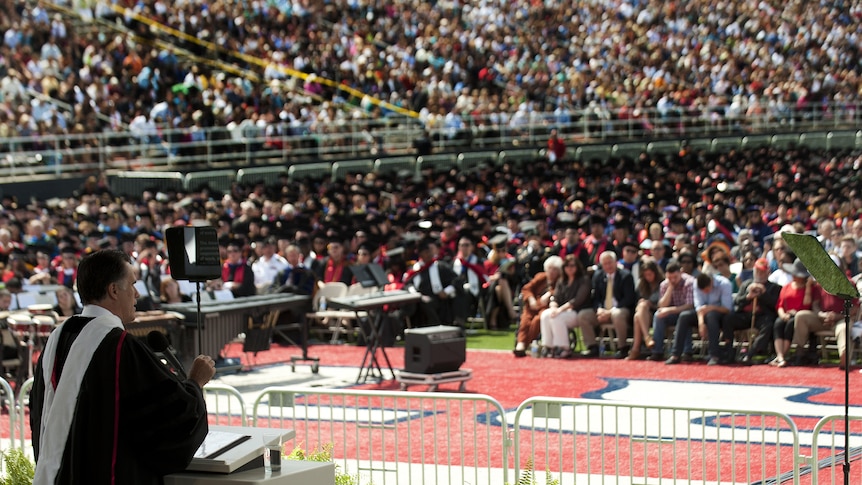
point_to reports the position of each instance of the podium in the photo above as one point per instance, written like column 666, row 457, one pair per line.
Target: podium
column 235, row 457
column 292, row 473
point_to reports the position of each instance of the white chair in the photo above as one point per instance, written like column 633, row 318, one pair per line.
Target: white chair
column 346, row 320
column 320, row 316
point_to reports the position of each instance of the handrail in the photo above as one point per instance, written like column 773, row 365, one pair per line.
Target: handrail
column 196, row 148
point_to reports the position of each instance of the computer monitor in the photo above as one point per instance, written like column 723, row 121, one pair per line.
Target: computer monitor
column 370, row 275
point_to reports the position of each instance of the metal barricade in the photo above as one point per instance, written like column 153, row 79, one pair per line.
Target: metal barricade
column 395, row 437
column 23, row 421
column 8, row 398
column 583, row 441
column 823, row 462
column 225, row 405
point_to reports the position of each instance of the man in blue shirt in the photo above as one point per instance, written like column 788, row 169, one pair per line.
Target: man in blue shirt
column 713, row 298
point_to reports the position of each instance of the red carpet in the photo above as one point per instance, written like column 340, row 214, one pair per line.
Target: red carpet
column 804, row 393
column 511, row 380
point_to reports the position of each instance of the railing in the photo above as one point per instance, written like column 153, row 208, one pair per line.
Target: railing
column 825, row 463
column 389, row 437
column 133, row 183
column 23, row 403
column 587, row 441
column 243, row 145
column 225, row 405
column 395, row 437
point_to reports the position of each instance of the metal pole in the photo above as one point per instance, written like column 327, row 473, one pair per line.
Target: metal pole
column 200, row 338
column 847, row 348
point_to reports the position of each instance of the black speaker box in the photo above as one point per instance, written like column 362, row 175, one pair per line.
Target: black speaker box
column 433, row 350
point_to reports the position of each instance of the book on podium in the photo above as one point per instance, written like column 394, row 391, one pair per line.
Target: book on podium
column 227, row 449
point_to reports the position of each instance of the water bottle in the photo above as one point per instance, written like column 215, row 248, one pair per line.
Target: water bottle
column 601, row 348
column 534, row 348
column 321, row 305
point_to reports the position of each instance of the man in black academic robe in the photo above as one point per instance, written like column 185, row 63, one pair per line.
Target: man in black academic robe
column 130, row 420
column 434, row 279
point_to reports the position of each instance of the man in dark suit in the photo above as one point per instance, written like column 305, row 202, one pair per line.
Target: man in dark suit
column 435, row 280
column 615, row 307
column 295, row 278
column 755, row 309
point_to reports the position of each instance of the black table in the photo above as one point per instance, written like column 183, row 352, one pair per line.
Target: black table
column 376, row 306
column 222, row 321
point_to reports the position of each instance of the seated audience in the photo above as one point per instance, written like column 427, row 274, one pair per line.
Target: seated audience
column 335, row 266
column 614, row 300
column 169, row 292
column 795, row 303
column 470, row 271
column 268, row 265
column 435, row 280
column 536, row 296
column 499, row 306
column 649, row 292
column 676, row 302
column 829, row 310
column 66, row 305
column 754, row 309
column 295, row 278
column 713, row 299
column 572, row 294
column 236, row 273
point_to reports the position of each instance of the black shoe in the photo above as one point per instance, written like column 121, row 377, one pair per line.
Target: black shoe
column 622, row 353
column 656, row 357
column 746, row 360
column 592, row 351
column 674, row 359
column 687, row 357
column 713, row 361
column 520, row 353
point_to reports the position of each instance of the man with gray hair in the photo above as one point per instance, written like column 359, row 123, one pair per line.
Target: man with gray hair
column 614, row 299
column 754, row 308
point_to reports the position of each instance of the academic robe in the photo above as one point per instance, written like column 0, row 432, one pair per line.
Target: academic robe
column 160, row 422
column 433, row 310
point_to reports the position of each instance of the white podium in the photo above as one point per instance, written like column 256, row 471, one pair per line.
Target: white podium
column 234, row 455
column 292, row 473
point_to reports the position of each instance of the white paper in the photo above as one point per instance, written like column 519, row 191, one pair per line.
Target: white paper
column 217, row 441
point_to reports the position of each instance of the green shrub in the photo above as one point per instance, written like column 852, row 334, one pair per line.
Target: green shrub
column 324, row 454
column 19, row 469
column 527, row 477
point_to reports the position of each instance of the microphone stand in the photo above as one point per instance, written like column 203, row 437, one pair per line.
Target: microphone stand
column 848, row 342
column 200, row 338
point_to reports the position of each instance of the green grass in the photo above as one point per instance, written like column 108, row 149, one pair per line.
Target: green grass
column 491, row 339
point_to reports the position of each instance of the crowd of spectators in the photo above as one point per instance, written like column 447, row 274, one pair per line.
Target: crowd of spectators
column 488, row 62
column 454, row 64
column 494, row 228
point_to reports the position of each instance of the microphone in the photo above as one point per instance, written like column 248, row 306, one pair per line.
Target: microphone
column 159, row 343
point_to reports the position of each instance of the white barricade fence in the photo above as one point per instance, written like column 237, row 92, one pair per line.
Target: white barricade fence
column 225, row 405
column 23, row 408
column 586, row 441
column 8, row 397
column 395, row 437
column 823, row 462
